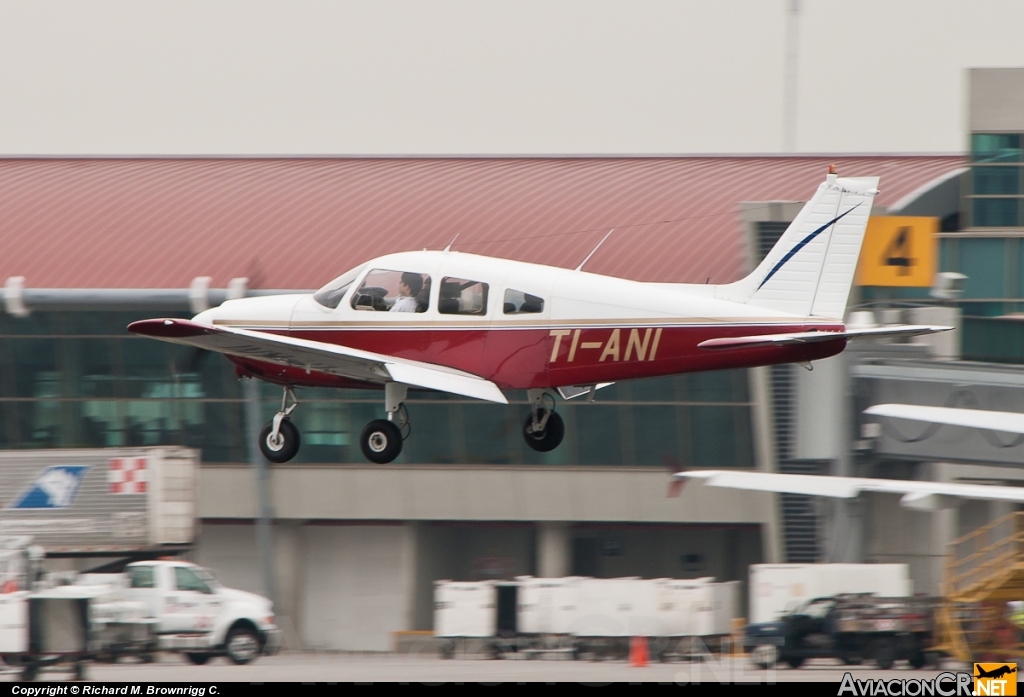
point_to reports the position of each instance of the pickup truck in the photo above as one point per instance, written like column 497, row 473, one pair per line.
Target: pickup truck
column 199, row 617
column 852, row 628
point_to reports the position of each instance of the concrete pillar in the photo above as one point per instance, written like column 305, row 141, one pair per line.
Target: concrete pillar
column 554, row 550
column 289, row 580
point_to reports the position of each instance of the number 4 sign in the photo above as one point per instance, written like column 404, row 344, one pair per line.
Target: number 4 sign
column 898, row 251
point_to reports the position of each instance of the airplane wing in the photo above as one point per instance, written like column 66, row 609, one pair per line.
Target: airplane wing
column 1004, row 421
column 814, row 337
column 319, row 356
column 928, row 496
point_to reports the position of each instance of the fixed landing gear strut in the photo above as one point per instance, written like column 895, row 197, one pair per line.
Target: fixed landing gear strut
column 543, row 429
column 279, row 439
column 381, row 440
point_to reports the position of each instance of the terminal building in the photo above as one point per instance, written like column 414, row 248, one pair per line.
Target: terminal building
column 93, row 244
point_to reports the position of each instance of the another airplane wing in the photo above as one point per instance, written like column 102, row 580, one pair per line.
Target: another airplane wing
column 814, row 337
column 916, row 495
column 321, row 357
column 1005, row 421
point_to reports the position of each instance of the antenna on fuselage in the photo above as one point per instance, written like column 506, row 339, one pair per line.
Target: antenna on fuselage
column 449, row 247
column 580, row 267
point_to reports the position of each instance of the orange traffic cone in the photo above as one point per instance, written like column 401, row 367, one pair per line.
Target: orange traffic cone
column 638, row 652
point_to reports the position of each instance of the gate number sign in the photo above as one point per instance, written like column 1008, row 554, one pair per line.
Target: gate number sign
column 898, row 251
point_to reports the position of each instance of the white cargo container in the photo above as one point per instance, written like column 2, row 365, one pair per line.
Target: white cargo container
column 100, row 500
column 697, row 607
column 617, row 607
column 548, row 605
column 778, row 588
column 465, row 609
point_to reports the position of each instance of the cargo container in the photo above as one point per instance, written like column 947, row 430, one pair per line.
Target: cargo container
column 104, row 500
column 776, row 589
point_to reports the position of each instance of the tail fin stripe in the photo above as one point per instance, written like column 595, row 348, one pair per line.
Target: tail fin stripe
column 802, row 244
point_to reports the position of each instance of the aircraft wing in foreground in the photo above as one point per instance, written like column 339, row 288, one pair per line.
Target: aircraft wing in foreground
column 923, row 496
column 1004, row 421
column 331, row 359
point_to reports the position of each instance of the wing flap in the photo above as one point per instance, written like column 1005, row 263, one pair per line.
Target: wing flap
column 816, row 337
column 319, row 356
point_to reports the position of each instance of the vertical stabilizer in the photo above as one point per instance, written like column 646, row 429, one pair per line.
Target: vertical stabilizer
column 810, row 269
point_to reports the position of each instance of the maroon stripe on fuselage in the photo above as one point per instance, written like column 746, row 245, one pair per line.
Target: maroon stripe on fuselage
column 553, row 356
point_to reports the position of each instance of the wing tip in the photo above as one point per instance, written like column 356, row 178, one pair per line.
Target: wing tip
column 166, row 328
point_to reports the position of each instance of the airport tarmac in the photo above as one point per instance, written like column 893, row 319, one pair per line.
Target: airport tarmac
column 342, row 667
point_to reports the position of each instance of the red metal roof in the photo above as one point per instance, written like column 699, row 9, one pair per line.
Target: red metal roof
column 297, row 223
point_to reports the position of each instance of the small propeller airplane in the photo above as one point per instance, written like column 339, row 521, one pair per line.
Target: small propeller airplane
column 476, row 326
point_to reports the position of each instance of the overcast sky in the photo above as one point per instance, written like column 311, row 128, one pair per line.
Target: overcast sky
column 458, row 77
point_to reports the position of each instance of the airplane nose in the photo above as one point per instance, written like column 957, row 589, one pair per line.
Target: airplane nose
column 206, row 316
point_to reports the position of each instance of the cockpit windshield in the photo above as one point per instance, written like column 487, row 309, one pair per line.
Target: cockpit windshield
column 331, row 294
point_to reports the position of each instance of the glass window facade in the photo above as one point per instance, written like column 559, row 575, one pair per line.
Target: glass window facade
column 78, row 379
column 996, row 196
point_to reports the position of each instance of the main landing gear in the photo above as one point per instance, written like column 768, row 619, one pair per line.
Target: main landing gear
column 543, row 429
column 380, row 441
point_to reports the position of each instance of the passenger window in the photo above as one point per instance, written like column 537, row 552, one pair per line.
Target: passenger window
column 459, row 296
column 518, row 303
column 143, row 577
column 384, row 290
column 188, row 580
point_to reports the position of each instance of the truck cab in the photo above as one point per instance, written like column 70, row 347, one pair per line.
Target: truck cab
column 198, row 616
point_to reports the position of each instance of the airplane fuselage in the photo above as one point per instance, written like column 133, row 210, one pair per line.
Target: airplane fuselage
column 586, row 328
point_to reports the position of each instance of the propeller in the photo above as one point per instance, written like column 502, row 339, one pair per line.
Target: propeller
column 675, row 486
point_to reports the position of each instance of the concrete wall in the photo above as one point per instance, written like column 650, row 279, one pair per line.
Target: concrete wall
column 357, row 587
column 996, row 99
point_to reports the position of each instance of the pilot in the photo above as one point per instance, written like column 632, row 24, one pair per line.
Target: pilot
column 408, row 288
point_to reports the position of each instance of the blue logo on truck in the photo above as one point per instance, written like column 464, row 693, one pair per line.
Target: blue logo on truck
column 56, row 487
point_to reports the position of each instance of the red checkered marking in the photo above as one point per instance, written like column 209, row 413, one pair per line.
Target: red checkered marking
column 127, row 475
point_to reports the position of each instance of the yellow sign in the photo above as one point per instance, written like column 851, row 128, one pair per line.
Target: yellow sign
column 995, row 678
column 898, row 251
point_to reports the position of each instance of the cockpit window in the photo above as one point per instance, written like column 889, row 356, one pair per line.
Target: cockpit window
column 518, row 303
column 331, row 294
column 385, row 290
column 459, row 296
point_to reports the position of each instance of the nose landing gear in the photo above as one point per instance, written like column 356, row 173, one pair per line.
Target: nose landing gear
column 543, row 429
column 279, row 439
column 381, row 440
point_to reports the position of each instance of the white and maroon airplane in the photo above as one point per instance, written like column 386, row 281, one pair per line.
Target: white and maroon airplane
column 475, row 326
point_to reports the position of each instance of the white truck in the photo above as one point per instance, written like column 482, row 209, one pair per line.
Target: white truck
column 199, row 617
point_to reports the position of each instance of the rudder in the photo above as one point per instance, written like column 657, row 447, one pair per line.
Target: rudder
column 810, row 269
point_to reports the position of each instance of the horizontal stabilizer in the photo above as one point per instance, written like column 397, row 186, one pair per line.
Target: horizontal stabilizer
column 916, row 495
column 1004, row 421
column 319, row 356
column 734, row 342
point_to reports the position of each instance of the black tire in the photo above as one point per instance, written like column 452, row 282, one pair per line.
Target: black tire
column 764, row 656
column 286, row 448
column 198, row 659
column 917, row 661
column 795, row 661
column 242, row 645
column 885, row 653
column 78, row 673
column 548, row 439
column 381, row 441
column 851, row 660
column 30, row 671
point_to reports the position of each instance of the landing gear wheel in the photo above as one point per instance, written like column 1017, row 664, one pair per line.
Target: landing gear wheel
column 547, row 439
column 198, row 659
column 285, row 447
column 381, row 441
column 242, row 645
